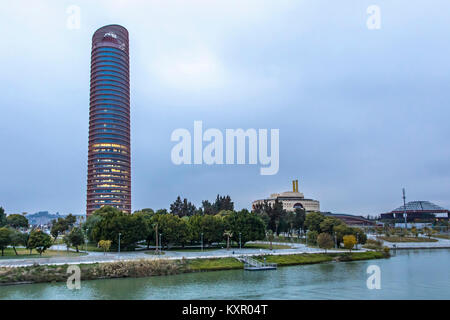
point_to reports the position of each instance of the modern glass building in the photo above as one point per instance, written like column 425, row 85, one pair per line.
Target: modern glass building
column 109, row 165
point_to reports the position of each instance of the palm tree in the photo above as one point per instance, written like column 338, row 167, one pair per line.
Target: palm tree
column 228, row 234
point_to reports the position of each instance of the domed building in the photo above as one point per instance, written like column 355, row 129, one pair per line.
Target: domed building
column 291, row 200
column 417, row 211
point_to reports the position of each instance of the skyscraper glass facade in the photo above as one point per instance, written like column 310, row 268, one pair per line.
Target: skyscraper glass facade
column 109, row 163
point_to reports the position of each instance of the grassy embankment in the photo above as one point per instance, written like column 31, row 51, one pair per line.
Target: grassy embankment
column 25, row 254
column 406, row 239
column 146, row 268
column 442, row 236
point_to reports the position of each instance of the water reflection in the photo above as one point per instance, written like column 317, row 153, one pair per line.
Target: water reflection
column 410, row 274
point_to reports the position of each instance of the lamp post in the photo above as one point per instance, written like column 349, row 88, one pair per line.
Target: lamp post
column 202, row 240
column 404, row 208
column 240, row 247
column 306, row 238
column 86, row 239
column 119, row 243
column 335, row 240
column 160, row 243
column 357, row 240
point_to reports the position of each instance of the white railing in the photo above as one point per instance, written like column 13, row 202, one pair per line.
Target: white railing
column 253, row 263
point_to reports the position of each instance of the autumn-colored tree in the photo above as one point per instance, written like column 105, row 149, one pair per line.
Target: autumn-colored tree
column 349, row 241
column 105, row 245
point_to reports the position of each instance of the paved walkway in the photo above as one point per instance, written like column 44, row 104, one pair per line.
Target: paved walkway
column 96, row 257
column 441, row 243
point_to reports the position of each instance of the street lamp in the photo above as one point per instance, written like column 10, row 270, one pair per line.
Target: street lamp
column 335, row 240
column 119, row 242
column 160, row 243
column 202, row 240
column 357, row 240
column 86, row 239
column 240, row 247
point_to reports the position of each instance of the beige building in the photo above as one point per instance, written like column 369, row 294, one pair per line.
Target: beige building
column 291, row 200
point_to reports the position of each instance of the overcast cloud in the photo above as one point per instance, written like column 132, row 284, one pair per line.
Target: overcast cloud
column 362, row 113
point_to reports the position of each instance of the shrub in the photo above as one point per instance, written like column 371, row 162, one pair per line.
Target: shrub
column 349, row 241
column 373, row 244
column 139, row 268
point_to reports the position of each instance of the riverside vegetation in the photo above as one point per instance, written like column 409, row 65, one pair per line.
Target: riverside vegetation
column 162, row 267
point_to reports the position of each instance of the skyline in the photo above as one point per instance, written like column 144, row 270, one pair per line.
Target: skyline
column 361, row 113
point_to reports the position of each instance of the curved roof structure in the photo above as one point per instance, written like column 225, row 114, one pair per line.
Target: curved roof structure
column 420, row 206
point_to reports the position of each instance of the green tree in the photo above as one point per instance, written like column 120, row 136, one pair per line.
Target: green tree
column 270, row 237
column 5, row 238
column 17, row 221
column 360, row 235
column 313, row 221
column 325, row 241
column 174, row 230
column 58, row 226
column 299, row 220
column 2, row 217
column 90, row 224
column 18, row 239
column 70, row 220
column 132, row 227
column 273, row 215
column 39, row 241
column 208, row 208
column 247, row 225
column 67, row 242
column 149, row 229
column 328, row 224
column 311, row 237
column 182, row 208
column 211, row 226
column 340, row 231
column 349, row 241
column 223, row 203
column 76, row 237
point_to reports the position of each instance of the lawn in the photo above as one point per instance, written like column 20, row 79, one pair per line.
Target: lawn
column 442, row 236
column 288, row 239
column 266, row 246
column 297, row 259
column 406, row 239
column 214, row 264
column 248, row 246
column 25, row 254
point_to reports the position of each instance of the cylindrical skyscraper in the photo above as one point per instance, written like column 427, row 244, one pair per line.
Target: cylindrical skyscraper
column 109, row 163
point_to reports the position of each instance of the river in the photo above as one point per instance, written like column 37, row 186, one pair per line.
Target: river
column 408, row 274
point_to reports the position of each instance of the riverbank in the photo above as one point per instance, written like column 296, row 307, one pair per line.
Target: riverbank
column 159, row 267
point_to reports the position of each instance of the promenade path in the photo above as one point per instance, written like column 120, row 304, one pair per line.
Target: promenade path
column 441, row 243
column 98, row 257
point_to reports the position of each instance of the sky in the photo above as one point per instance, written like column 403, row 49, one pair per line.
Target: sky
column 361, row 112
